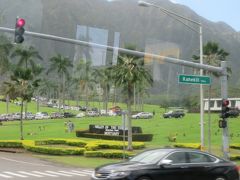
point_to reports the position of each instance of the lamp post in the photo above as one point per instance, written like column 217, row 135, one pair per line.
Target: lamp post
column 180, row 18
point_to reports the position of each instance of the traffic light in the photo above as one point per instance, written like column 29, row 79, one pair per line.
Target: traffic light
column 225, row 109
column 19, row 30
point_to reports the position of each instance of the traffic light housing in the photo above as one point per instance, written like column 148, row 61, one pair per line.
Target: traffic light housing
column 19, row 30
column 225, row 109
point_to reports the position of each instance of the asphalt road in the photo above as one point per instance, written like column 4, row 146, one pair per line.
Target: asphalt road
column 23, row 166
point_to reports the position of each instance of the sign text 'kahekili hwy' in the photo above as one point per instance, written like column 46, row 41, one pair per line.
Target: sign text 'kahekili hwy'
column 192, row 79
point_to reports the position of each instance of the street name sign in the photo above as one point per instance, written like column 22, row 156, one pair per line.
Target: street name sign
column 192, row 79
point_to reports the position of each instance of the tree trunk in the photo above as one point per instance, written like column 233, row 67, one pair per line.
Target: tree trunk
column 21, row 122
column 26, row 107
column 129, row 119
column 37, row 103
column 7, row 104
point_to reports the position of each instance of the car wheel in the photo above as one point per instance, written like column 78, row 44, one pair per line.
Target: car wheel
column 144, row 178
column 220, row 178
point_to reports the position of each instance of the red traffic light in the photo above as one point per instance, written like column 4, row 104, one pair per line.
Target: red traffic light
column 20, row 22
column 225, row 102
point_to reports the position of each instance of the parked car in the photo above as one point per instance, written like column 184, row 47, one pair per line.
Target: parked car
column 234, row 112
column 80, row 115
column 92, row 113
column 56, row 115
column 174, row 114
column 29, row 116
column 42, row 115
column 68, row 115
column 142, row 115
column 170, row 164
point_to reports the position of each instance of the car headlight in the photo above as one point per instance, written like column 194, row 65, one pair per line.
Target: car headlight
column 120, row 174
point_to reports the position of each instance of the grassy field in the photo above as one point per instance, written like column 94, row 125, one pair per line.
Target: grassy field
column 186, row 129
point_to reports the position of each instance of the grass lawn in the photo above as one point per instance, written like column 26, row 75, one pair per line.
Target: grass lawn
column 186, row 130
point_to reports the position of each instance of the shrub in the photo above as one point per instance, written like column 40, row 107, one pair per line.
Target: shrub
column 11, row 144
column 111, row 145
column 108, row 154
column 188, row 145
column 235, row 146
column 234, row 157
column 30, row 146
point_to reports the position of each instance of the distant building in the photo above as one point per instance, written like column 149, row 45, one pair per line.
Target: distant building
column 216, row 104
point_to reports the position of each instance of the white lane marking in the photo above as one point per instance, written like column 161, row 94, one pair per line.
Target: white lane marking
column 30, row 174
column 23, row 162
column 14, row 174
column 72, row 173
column 84, row 172
column 44, row 174
column 5, row 176
column 57, row 173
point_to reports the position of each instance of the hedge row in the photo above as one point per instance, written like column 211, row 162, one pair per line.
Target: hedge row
column 235, row 146
column 70, row 142
column 108, row 154
column 188, row 145
column 91, row 149
column 11, row 144
column 95, row 145
column 135, row 137
column 31, row 146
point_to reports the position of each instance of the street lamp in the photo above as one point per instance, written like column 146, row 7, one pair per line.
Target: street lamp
column 180, row 18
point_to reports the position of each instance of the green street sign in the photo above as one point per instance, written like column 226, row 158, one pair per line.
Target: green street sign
column 192, row 79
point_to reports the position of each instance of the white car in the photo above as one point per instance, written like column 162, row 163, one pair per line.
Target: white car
column 142, row 115
column 92, row 113
column 42, row 115
column 80, row 115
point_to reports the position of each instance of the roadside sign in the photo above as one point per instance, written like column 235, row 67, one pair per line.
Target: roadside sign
column 192, row 79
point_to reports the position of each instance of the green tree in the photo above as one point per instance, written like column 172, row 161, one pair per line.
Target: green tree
column 5, row 65
column 84, row 75
column 22, row 85
column 104, row 77
column 61, row 65
column 27, row 56
column 212, row 55
column 5, row 50
column 128, row 72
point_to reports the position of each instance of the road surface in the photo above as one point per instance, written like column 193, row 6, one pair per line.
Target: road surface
column 17, row 166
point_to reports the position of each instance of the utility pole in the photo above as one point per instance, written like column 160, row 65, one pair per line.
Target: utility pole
column 224, row 94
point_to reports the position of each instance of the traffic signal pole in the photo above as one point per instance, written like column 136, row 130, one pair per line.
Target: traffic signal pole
column 221, row 70
column 224, row 95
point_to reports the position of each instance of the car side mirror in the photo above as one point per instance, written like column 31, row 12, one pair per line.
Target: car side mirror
column 165, row 163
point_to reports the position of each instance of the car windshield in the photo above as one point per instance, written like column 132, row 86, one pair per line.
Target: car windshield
column 150, row 157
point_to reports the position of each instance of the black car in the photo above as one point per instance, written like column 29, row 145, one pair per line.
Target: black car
column 174, row 114
column 170, row 164
column 68, row 115
column 233, row 113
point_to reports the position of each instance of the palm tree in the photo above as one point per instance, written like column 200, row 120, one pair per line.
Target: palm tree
column 61, row 65
column 84, row 75
column 128, row 72
column 104, row 77
column 22, row 85
column 5, row 50
column 27, row 56
column 212, row 55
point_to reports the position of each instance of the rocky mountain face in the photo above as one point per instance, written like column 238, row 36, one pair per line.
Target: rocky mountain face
column 136, row 25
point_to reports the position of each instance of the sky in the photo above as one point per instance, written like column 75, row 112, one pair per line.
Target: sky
column 216, row 10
